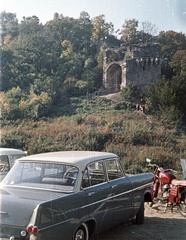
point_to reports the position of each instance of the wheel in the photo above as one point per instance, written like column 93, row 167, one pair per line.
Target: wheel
column 154, row 201
column 141, row 214
column 82, row 233
column 182, row 205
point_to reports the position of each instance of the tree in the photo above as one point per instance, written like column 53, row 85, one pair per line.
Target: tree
column 30, row 25
column 9, row 26
column 129, row 32
column 85, row 29
column 178, row 63
column 166, row 97
column 37, row 106
column 10, row 104
column 6, row 69
column 164, row 100
column 149, row 28
column 131, row 93
column 32, row 51
column 92, row 77
column 170, row 42
column 101, row 29
column 49, row 85
column 67, row 48
column 147, row 32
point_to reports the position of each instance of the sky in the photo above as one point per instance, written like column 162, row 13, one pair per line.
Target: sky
column 165, row 14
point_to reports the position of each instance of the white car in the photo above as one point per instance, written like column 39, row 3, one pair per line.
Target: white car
column 7, row 159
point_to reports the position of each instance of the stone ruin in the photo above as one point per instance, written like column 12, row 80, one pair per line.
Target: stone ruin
column 138, row 64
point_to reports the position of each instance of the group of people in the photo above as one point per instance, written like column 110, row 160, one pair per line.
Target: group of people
column 141, row 106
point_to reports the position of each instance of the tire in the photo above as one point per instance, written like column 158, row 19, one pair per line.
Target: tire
column 140, row 216
column 82, row 233
column 182, row 205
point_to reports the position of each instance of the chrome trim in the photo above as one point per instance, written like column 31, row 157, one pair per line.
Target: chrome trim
column 91, row 204
column 1, row 212
column 115, row 196
column 37, row 188
column 56, row 224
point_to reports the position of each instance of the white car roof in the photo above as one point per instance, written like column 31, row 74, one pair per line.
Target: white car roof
column 79, row 158
column 11, row 151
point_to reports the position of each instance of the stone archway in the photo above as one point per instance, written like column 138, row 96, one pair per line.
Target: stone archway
column 114, row 77
column 139, row 64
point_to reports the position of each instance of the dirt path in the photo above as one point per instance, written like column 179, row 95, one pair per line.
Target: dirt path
column 157, row 226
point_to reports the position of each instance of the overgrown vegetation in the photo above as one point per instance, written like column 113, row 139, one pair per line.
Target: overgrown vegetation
column 44, row 66
column 97, row 125
column 49, row 78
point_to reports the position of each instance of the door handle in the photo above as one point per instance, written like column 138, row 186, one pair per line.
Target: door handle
column 113, row 186
column 91, row 193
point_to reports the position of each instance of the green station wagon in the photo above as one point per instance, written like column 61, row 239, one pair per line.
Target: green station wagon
column 69, row 196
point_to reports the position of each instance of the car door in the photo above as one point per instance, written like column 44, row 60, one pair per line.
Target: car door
column 97, row 189
column 121, row 191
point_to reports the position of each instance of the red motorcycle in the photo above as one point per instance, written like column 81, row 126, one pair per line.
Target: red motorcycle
column 168, row 189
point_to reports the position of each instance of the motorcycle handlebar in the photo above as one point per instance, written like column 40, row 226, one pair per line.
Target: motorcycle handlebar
column 160, row 168
column 152, row 165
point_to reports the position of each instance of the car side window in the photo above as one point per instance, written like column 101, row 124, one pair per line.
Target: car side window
column 4, row 163
column 114, row 169
column 93, row 174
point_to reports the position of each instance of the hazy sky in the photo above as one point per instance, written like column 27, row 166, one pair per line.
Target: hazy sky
column 165, row 14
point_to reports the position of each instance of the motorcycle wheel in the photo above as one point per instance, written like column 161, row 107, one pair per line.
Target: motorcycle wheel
column 182, row 204
column 154, row 201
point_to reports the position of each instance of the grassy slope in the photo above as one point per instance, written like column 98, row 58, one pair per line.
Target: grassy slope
column 100, row 124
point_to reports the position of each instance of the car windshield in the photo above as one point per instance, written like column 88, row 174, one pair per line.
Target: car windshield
column 53, row 176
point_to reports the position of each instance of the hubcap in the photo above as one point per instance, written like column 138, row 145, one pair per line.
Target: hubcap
column 80, row 235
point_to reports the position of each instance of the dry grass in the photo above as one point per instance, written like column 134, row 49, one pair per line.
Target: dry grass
column 129, row 135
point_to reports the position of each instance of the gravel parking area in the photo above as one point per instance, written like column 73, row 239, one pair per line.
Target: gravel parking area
column 158, row 226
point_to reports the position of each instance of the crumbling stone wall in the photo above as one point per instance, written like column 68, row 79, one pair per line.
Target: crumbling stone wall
column 138, row 64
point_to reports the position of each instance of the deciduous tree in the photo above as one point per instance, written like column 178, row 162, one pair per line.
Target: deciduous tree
column 129, row 32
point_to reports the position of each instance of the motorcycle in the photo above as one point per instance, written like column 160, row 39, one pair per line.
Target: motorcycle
column 168, row 189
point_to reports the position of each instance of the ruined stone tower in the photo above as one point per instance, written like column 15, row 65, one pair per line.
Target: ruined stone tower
column 138, row 64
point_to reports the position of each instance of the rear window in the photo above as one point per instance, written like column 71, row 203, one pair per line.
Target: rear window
column 59, row 177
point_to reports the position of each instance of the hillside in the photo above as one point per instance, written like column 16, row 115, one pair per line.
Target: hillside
column 98, row 123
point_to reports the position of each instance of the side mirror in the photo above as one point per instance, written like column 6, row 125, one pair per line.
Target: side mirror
column 148, row 160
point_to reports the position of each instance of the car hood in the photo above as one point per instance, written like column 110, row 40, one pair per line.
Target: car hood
column 17, row 204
